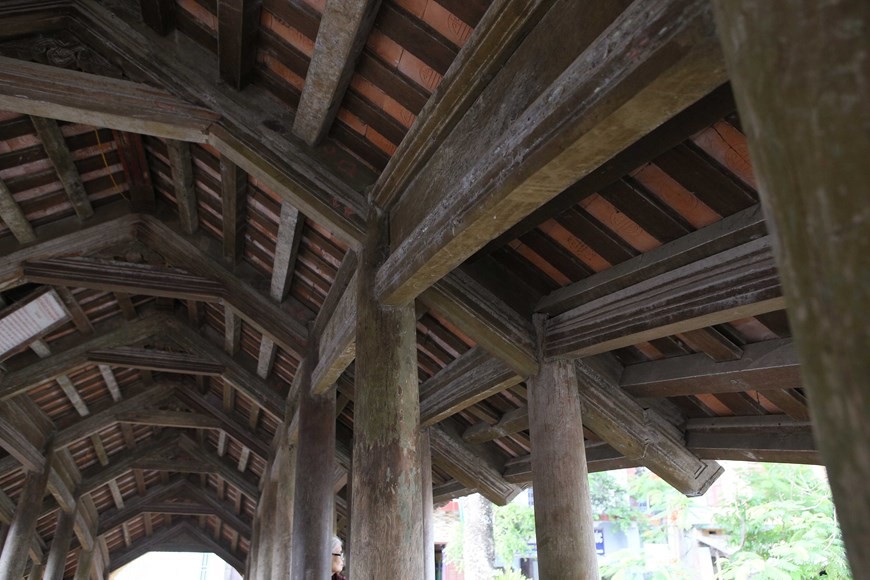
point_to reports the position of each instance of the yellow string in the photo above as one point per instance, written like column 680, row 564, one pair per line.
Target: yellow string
column 106, row 164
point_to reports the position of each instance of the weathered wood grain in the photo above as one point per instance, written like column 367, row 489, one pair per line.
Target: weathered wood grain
column 59, row 154
column 14, row 218
column 60, row 542
column 156, row 360
column 337, row 342
column 234, row 195
column 238, row 23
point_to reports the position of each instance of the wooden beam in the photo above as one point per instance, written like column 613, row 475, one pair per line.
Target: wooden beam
column 303, row 177
column 474, row 376
column 470, row 466
column 599, row 457
column 485, row 318
column 258, row 310
column 93, row 479
column 337, row 342
column 137, row 279
column 23, row 444
column 618, row 84
column 111, row 225
column 734, row 284
column 132, row 153
column 77, row 97
column 162, row 418
column 221, row 508
column 229, row 425
column 158, row 14
column 718, row 237
column 14, row 218
column 495, row 38
column 17, row 545
column 73, row 395
column 640, row 435
column 183, row 184
column 238, row 23
column 56, row 560
column 234, row 197
column 156, row 360
column 509, row 423
column 112, row 518
column 226, row 470
column 764, row 366
column 59, row 154
column 290, row 225
column 173, row 465
column 344, row 29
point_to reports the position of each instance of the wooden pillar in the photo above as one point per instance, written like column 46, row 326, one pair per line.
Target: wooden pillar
column 428, row 516
column 386, row 524
column 563, row 512
column 801, row 77
column 56, row 560
column 85, row 565
column 263, row 562
column 284, row 506
column 313, row 494
column 17, row 545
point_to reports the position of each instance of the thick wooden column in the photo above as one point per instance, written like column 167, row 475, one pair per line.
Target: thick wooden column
column 386, row 523
column 54, row 563
column 563, row 512
column 801, row 78
column 428, row 507
column 313, row 493
column 285, row 483
column 17, row 545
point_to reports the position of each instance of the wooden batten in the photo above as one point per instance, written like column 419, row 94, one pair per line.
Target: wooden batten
column 14, row 218
column 234, row 195
column 59, row 154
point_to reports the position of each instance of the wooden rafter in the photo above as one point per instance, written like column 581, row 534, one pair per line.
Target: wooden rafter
column 183, row 184
column 59, row 154
column 234, row 194
column 344, row 29
column 238, row 22
column 14, row 218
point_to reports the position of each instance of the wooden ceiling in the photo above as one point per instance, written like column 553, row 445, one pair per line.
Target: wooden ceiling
column 154, row 172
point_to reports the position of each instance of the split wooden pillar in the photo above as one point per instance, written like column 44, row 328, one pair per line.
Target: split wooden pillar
column 386, row 523
column 13, row 560
column 563, row 512
column 313, row 493
column 56, row 560
column 428, row 507
column 801, row 77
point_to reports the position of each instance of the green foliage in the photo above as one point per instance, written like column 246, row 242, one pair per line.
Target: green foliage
column 782, row 520
column 453, row 552
column 509, row 574
column 628, row 565
column 514, row 528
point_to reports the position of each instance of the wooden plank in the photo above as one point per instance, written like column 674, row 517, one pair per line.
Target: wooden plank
column 617, row 85
column 125, row 277
column 494, row 41
column 70, row 353
column 474, row 376
column 764, row 366
column 344, row 28
column 485, row 318
column 110, row 225
column 158, row 14
column 59, row 154
column 234, row 194
column 183, row 184
column 287, row 242
column 156, row 360
column 80, row 319
column 111, row 382
column 509, row 423
column 792, row 403
column 77, row 97
column 238, row 22
column 716, row 238
column 642, row 435
column 99, row 449
column 165, row 418
column 471, row 469
column 14, row 218
column 713, row 343
column 734, row 284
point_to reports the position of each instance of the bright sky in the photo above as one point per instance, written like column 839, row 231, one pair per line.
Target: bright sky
column 173, row 566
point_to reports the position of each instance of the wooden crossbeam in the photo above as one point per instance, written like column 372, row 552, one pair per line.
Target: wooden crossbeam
column 242, row 481
column 78, row 97
column 132, row 154
column 513, row 421
column 640, row 435
column 14, row 218
column 337, row 341
column 173, row 465
column 222, row 509
column 71, row 352
column 473, row 469
column 496, row 37
column 156, row 360
column 59, row 154
column 95, row 478
column 163, row 418
column 112, row 518
column 234, row 195
column 733, row 284
column 287, row 242
column 726, row 234
column 229, row 425
column 344, row 29
column 593, row 94
column 137, row 279
column 764, row 366
column 238, row 23
column 474, row 376
column 599, row 457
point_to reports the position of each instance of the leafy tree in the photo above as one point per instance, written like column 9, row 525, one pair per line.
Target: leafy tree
column 514, row 528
